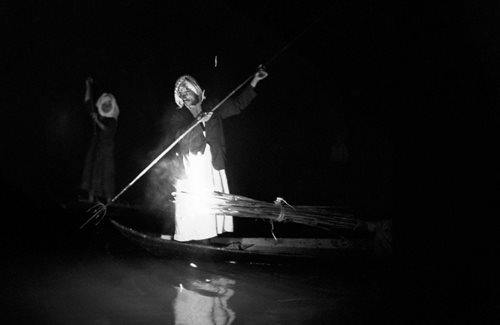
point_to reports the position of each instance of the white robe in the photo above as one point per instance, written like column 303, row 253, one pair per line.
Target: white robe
column 192, row 221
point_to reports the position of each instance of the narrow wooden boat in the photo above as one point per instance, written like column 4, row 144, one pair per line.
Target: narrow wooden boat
column 249, row 249
column 346, row 238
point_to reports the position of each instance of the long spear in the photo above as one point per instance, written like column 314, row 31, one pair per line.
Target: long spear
column 98, row 211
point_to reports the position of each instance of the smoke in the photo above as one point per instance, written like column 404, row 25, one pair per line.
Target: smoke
column 161, row 179
column 161, row 182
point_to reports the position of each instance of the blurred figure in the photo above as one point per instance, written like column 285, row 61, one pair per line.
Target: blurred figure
column 340, row 170
column 98, row 179
column 338, row 151
column 202, row 153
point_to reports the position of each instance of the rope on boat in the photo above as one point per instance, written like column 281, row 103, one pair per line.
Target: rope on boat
column 281, row 217
column 272, row 230
column 279, row 201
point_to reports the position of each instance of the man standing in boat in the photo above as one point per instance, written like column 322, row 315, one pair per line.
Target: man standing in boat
column 202, row 153
column 98, row 177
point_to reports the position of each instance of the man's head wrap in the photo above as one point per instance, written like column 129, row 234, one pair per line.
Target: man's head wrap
column 114, row 112
column 182, row 84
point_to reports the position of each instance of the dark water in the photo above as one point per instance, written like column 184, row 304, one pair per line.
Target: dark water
column 69, row 276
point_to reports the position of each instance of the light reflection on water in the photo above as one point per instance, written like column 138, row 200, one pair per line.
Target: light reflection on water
column 113, row 288
column 204, row 302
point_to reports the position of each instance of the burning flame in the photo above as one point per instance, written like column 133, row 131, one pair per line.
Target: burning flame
column 197, row 183
column 194, row 199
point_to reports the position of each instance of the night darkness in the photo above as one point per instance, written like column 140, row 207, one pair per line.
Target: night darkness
column 387, row 81
column 363, row 71
column 330, row 76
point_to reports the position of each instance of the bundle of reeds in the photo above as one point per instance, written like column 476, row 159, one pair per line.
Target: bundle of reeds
column 325, row 217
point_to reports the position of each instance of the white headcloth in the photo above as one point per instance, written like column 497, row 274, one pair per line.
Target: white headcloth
column 182, row 84
column 115, row 110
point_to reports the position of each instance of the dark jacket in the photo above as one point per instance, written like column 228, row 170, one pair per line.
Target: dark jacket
column 195, row 141
column 99, row 169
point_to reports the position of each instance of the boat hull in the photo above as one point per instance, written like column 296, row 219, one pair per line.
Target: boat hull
column 249, row 249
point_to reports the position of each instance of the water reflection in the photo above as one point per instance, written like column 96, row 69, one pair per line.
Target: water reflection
column 204, row 302
column 116, row 288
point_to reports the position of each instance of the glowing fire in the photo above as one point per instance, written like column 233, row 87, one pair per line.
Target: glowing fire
column 197, row 183
column 194, row 201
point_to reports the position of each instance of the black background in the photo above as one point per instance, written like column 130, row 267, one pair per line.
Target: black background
column 333, row 71
column 413, row 90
